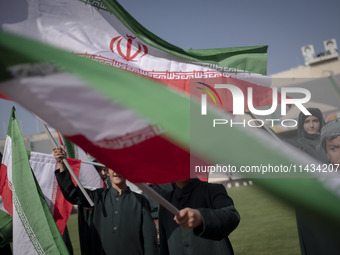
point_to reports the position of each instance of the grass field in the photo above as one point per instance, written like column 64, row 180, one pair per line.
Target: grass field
column 267, row 226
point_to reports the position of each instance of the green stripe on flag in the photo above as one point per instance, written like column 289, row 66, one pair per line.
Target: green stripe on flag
column 5, row 229
column 249, row 59
column 70, row 148
column 29, row 201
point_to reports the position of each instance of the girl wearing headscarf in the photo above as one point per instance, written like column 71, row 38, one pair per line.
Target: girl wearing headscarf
column 309, row 127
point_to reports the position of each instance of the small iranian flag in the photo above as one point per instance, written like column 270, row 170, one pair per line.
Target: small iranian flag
column 43, row 166
column 88, row 175
column 34, row 229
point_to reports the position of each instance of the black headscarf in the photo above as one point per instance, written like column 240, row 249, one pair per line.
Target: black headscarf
column 307, row 142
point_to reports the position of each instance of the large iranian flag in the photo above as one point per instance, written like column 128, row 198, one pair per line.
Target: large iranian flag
column 115, row 135
column 136, row 126
column 103, row 31
column 67, row 100
column 34, row 229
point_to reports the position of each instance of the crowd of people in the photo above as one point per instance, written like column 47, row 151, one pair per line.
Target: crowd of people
column 207, row 214
column 125, row 222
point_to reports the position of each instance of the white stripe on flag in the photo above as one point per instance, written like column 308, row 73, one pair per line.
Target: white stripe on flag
column 43, row 166
column 24, row 239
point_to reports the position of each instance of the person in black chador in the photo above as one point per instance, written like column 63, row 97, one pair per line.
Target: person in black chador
column 85, row 218
column 122, row 222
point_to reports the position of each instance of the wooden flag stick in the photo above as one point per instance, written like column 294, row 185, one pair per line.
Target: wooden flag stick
column 89, row 200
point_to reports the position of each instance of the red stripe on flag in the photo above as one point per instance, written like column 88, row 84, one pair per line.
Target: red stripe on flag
column 5, row 191
column 155, row 160
column 2, row 96
column 60, row 139
column 62, row 208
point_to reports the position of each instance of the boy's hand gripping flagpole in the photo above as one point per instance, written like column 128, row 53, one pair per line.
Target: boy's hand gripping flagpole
column 89, row 200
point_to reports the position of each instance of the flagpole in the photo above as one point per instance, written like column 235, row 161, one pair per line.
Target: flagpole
column 157, row 197
column 93, row 163
column 89, row 200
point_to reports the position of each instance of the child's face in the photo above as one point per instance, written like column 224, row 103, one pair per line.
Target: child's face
column 115, row 178
column 333, row 150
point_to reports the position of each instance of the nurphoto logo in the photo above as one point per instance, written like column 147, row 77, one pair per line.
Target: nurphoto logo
column 239, row 102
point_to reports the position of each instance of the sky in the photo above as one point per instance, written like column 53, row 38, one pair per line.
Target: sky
column 285, row 26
